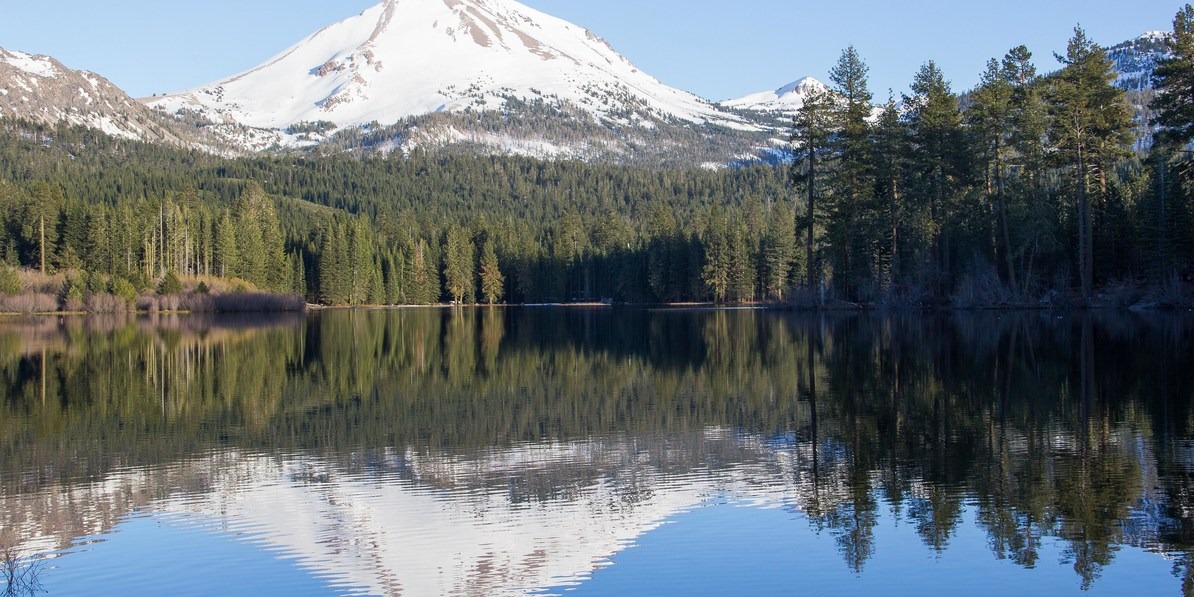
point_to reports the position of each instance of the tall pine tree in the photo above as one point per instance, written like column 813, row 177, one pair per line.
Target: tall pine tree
column 939, row 161
column 1090, row 124
column 492, row 280
column 812, row 128
column 851, row 177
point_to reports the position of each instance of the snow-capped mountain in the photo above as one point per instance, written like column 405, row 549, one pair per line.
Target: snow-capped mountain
column 405, row 59
column 41, row 89
column 787, row 99
column 1135, row 60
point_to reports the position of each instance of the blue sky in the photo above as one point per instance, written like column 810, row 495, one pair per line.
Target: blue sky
column 715, row 48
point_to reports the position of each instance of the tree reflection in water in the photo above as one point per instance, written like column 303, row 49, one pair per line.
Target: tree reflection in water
column 1075, row 427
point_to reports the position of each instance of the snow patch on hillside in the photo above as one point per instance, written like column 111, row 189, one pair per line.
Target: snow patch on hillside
column 40, row 66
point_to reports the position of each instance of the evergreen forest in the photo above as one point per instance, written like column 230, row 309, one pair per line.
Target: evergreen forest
column 1029, row 189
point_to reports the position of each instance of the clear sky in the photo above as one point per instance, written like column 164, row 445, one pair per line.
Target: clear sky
column 716, row 48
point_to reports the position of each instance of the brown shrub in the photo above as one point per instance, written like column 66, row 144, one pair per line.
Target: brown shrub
column 34, row 280
column 197, row 303
column 105, row 303
column 29, row 302
column 257, row 302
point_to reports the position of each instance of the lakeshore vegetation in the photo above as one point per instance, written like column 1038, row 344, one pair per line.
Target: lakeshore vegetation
column 1029, row 189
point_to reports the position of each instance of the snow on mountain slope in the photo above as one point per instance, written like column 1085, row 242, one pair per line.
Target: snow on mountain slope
column 405, row 58
column 787, row 99
column 41, row 89
column 1135, row 60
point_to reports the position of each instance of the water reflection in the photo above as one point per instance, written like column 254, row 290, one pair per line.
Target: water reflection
column 492, row 451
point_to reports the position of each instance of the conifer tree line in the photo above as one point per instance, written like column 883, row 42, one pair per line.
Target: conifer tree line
column 1030, row 186
column 1027, row 184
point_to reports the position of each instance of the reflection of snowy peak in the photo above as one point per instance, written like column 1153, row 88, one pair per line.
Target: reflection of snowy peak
column 788, row 98
column 436, row 523
column 409, row 58
column 41, row 89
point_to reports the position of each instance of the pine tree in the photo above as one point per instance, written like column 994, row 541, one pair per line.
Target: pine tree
column 812, row 129
column 1173, row 79
column 38, row 224
column 742, row 270
column 423, row 275
column 72, row 234
column 278, row 273
column 375, row 293
column 990, row 120
column 1172, row 155
column 360, row 264
column 661, row 230
column 298, row 274
column 1036, row 221
column 335, row 282
column 97, row 254
column 891, row 163
column 250, row 243
column 492, row 280
column 779, row 251
column 1090, row 125
column 393, row 269
column 227, row 255
column 851, row 176
column 458, row 264
column 938, row 160
column 718, row 256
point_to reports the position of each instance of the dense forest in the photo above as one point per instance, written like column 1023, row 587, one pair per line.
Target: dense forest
column 1029, row 189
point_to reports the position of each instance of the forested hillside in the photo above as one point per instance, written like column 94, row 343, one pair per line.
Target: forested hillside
column 353, row 231
column 1034, row 190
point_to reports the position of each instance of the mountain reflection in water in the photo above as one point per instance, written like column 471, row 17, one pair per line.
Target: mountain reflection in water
column 506, row 451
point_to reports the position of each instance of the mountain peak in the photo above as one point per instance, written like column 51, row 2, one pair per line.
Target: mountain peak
column 804, row 87
column 39, row 66
column 41, row 89
column 1136, row 59
column 406, row 58
column 786, row 99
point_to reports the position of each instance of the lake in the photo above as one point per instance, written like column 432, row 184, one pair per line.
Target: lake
column 575, row 451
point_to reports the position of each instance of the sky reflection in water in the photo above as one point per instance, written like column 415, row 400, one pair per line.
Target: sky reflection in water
column 601, row 452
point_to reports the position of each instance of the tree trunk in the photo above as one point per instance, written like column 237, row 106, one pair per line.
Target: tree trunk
column 42, row 247
column 1085, row 238
column 1001, row 201
column 813, row 277
column 895, row 233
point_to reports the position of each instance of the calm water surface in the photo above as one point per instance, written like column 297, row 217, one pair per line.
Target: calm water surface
column 596, row 452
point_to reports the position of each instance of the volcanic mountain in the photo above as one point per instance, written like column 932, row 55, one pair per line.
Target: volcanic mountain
column 402, row 60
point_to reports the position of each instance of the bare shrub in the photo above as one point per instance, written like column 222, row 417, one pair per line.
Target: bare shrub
column 29, row 302
column 170, row 302
column 903, row 297
column 148, row 303
column 105, row 303
column 981, row 288
column 1122, row 293
column 1172, row 293
column 197, row 303
column 35, row 281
